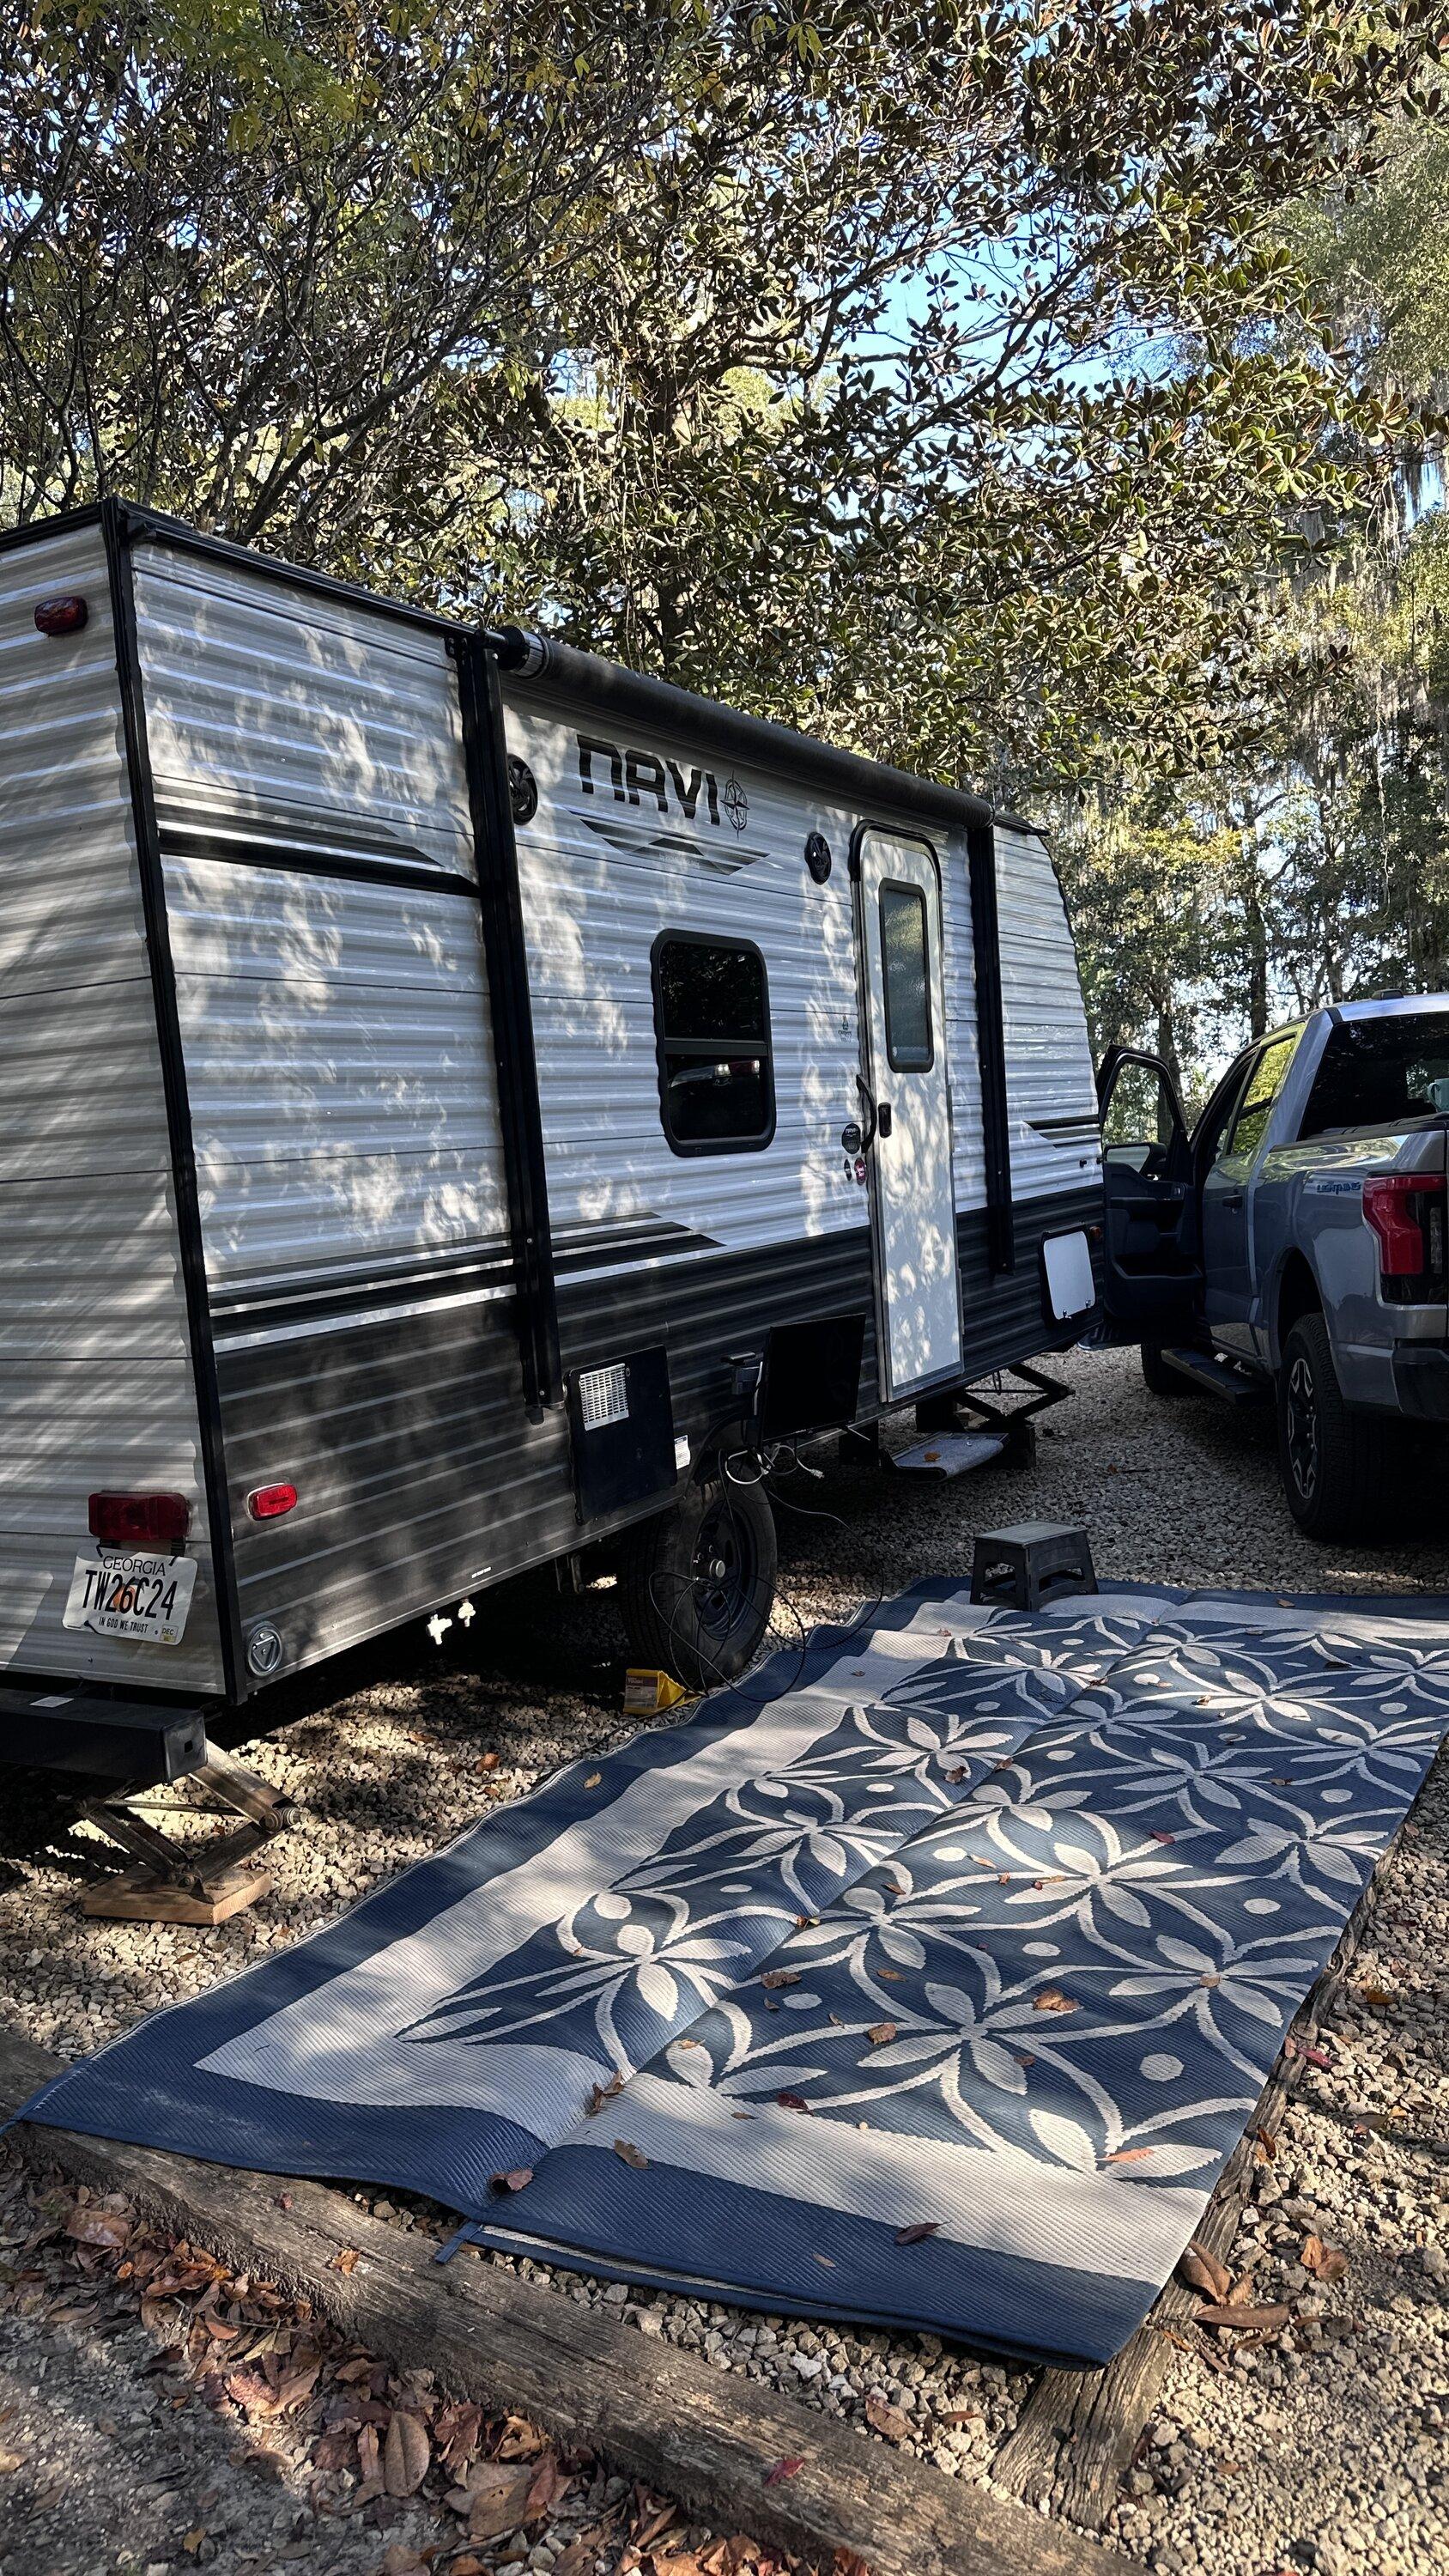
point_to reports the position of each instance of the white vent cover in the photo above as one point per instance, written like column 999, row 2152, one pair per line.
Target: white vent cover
column 603, row 1396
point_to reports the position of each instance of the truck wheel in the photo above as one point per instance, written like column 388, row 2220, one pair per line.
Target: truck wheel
column 1158, row 1376
column 1337, row 1460
column 697, row 1585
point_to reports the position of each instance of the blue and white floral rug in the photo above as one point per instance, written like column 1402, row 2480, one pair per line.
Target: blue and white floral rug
column 929, row 1983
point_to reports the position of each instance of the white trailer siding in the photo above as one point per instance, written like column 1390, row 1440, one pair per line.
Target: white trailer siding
column 339, row 1058
column 1050, row 1092
column 601, row 875
column 96, row 1389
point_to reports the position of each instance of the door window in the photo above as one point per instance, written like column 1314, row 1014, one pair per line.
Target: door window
column 712, row 1025
column 1260, row 1091
column 1140, row 1117
column 906, row 975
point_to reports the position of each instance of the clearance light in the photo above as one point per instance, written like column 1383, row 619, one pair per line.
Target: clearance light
column 61, row 616
column 268, row 1502
column 140, row 1520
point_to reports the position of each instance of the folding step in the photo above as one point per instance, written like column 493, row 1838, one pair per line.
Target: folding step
column 951, row 1453
column 1219, row 1377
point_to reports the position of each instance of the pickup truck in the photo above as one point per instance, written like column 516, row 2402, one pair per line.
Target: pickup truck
column 1292, row 1241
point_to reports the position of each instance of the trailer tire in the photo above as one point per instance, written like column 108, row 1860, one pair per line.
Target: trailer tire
column 1340, row 1463
column 1159, row 1376
column 697, row 1584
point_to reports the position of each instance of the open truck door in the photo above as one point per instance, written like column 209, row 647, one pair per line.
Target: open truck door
column 1152, row 1274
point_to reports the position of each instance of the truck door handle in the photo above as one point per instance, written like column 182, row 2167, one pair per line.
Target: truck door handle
column 883, row 1117
column 1231, row 1199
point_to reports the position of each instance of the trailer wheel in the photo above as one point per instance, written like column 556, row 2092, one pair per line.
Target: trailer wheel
column 1339, row 1462
column 1159, row 1376
column 697, row 1585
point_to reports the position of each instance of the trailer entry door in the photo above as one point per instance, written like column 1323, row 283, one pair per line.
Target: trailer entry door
column 903, row 1040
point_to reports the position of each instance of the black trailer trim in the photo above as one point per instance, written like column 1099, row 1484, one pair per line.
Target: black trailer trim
column 520, row 1117
column 395, row 872
column 991, row 1043
column 45, row 1728
column 116, row 526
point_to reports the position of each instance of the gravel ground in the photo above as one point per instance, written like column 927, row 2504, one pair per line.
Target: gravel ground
column 1323, row 2450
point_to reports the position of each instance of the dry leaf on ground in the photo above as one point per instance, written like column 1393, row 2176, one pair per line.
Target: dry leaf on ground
column 499, row 2497
column 1052, row 2000
column 1327, row 2263
column 631, row 2155
column 785, row 2469
column 407, row 2455
column 518, row 2180
column 549, row 2485
column 1203, row 2271
column 346, row 2260
column 918, row 2232
column 887, row 2419
column 881, row 2033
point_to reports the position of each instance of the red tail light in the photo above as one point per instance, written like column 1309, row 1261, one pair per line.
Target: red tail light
column 1406, row 1212
column 269, row 1502
column 61, row 616
column 140, row 1520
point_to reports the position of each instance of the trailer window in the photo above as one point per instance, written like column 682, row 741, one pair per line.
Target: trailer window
column 906, row 974
column 712, row 1025
column 1380, row 1075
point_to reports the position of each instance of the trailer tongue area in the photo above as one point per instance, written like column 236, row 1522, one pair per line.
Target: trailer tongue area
column 929, row 1981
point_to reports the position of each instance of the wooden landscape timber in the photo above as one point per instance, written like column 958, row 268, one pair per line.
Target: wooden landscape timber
column 706, row 2439
column 1078, row 2432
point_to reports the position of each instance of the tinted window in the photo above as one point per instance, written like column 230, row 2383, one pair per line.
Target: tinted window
column 1262, row 1088
column 906, row 974
column 1381, row 1073
column 712, row 1021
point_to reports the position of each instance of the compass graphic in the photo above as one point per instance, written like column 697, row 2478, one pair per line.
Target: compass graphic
column 736, row 803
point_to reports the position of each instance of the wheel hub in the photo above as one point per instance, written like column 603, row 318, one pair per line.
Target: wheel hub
column 722, row 1569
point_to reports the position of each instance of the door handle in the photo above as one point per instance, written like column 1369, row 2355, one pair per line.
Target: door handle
column 883, row 1117
column 1231, row 1199
column 871, row 1113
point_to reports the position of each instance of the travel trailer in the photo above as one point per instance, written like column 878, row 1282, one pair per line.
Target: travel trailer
column 464, row 1105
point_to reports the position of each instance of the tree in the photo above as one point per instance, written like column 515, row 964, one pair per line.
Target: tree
column 916, row 374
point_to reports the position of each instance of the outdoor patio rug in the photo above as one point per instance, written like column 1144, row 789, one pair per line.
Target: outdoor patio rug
column 928, row 1982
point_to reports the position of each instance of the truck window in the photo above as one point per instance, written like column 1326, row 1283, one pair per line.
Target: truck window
column 1261, row 1090
column 1381, row 1075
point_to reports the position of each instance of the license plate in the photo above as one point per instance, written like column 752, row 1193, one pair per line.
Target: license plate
column 129, row 1592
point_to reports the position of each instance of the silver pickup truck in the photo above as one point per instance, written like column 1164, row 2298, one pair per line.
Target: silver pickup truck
column 1294, row 1239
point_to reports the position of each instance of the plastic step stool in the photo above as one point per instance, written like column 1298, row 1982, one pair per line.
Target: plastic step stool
column 1030, row 1563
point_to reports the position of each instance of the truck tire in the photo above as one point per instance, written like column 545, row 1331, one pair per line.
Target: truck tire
column 697, row 1584
column 1338, row 1461
column 1158, row 1376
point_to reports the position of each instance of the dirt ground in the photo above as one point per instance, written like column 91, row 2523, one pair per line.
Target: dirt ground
column 121, row 2447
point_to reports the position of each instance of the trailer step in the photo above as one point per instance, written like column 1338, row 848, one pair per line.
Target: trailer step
column 58, row 1726
column 952, row 1453
column 1222, row 1378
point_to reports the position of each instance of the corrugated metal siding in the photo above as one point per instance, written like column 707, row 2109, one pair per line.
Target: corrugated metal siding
column 1007, row 1316
column 95, row 1372
column 418, row 1469
column 276, row 706
column 1051, row 1096
column 600, row 879
column 339, row 1055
